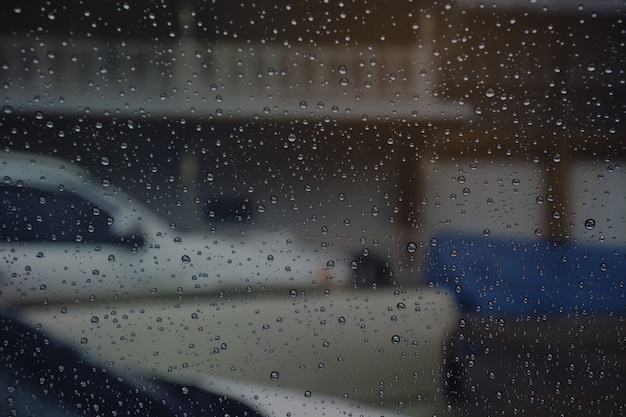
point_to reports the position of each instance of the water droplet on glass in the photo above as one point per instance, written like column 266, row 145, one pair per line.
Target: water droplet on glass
column 186, row 259
column 590, row 224
column 395, row 339
column 341, row 320
column 274, row 376
column 411, row 247
column 490, row 92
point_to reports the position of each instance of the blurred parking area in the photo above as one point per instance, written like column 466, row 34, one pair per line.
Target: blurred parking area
column 469, row 155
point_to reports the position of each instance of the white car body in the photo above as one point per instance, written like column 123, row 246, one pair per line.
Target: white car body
column 381, row 348
column 165, row 261
column 205, row 309
column 281, row 401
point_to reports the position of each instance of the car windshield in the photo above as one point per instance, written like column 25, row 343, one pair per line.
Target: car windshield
column 303, row 208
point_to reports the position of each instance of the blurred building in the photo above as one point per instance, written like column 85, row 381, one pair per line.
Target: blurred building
column 485, row 116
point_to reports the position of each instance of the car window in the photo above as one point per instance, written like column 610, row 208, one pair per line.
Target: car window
column 31, row 215
column 364, row 207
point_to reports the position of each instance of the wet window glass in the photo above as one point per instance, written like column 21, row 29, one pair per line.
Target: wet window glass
column 320, row 207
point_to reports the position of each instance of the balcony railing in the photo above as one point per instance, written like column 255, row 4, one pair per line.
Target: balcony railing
column 224, row 80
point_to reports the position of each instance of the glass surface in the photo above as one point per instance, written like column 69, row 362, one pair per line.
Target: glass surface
column 368, row 208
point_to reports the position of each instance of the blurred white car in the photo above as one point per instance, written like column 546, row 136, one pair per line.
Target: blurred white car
column 381, row 348
column 39, row 360
column 65, row 235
